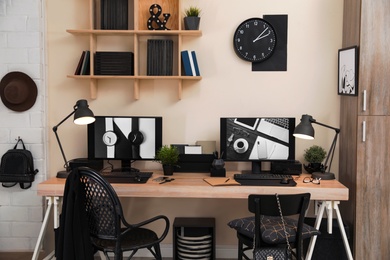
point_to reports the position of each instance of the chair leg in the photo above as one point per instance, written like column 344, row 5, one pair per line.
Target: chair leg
column 240, row 249
column 157, row 251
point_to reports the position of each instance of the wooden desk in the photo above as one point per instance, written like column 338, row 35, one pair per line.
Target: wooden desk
column 191, row 185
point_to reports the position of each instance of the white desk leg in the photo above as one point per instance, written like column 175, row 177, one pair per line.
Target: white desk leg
column 317, row 226
column 43, row 227
column 329, row 205
column 342, row 229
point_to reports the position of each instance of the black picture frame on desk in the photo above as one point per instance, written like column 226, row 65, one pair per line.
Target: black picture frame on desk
column 348, row 71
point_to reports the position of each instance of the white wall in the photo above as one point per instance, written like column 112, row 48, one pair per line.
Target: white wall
column 21, row 49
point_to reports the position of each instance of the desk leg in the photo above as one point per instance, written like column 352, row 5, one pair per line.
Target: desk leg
column 342, row 230
column 317, row 226
column 43, row 228
column 329, row 205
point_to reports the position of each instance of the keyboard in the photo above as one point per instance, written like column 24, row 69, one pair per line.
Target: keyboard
column 261, row 176
column 127, row 177
column 263, row 179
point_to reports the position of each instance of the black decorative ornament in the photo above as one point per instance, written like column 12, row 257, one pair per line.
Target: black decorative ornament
column 154, row 22
column 254, row 40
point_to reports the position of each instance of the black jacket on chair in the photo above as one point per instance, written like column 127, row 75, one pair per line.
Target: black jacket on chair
column 73, row 241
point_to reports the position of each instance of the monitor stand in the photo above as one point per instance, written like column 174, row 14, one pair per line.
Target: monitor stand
column 259, row 167
column 125, row 167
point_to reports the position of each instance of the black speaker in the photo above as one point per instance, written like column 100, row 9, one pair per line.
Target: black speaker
column 85, row 162
column 286, row 167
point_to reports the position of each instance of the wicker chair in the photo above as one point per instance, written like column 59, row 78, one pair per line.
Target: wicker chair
column 108, row 228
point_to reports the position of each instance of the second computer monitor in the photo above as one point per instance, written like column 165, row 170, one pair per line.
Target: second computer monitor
column 257, row 138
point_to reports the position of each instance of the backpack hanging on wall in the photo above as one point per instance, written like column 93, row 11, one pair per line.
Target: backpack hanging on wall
column 17, row 166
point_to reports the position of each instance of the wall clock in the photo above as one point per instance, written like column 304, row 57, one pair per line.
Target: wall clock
column 254, row 40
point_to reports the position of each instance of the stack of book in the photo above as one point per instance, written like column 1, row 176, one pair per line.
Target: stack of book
column 160, row 58
column 189, row 63
column 114, row 63
column 83, row 66
column 114, row 14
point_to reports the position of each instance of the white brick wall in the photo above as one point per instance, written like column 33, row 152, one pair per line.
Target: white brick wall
column 21, row 45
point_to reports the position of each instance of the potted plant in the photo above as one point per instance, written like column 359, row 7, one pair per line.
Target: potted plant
column 168, row 156
column 314, row 155
column 192, row 19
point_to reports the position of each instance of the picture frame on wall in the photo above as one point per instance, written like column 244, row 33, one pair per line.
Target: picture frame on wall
column 348, row 71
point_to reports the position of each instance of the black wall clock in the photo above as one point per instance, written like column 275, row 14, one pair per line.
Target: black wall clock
column 254, row 40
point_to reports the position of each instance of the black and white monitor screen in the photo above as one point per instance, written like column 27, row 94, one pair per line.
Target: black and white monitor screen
column 124, row 138
column 257, row 139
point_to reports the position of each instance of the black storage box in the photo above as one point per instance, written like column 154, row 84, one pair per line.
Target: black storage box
column 195, row 162
column 328, row 246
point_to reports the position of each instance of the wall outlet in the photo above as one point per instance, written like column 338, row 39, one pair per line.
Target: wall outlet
column 317, row 205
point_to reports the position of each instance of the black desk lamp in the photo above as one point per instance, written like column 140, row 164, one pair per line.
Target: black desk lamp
column 82, row 116
column 305, row 130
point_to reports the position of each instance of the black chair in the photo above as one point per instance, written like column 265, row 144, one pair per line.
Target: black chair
column 108, row 228
column 266, row 223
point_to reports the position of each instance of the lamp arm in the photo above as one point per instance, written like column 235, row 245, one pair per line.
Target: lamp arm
column 331, row 152
column 55, row 128
column 327, row 126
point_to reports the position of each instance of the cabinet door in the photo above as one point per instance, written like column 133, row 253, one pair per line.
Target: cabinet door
column 374, row 76
column 373, row 188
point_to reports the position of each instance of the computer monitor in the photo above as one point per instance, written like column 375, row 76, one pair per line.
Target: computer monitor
column 257, row 139
column 124, row 138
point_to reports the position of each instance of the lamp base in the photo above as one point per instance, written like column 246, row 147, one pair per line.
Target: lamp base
column 323, row 175
column 62, row 174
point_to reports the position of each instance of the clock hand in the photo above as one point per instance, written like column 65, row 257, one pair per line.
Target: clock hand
column 259, row 37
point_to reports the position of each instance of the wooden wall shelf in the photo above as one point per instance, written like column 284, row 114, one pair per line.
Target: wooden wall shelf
column 138, row 34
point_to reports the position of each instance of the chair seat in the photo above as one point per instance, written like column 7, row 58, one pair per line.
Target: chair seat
column 133, row 239
column 272, row 229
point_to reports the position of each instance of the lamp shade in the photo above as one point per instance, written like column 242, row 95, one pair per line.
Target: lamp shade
column 83, row 115
column 304, row 129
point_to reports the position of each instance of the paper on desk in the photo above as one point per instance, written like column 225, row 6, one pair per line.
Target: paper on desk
column 218, row 181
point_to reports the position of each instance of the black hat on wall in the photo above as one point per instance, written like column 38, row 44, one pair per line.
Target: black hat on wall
column 18, row 91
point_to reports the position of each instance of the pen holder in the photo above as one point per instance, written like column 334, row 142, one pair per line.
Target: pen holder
column 218, row 169
column 218, row 172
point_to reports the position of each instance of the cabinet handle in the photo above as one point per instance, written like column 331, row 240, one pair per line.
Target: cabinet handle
column 364, row 100
column 364, row 131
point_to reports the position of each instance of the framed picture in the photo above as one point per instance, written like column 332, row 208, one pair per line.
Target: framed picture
column 348, row 71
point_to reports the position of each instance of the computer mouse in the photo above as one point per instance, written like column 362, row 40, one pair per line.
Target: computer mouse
column 285, row 180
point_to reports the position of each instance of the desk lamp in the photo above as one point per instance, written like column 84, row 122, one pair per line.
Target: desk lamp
column 305, row 130
column 82, row 116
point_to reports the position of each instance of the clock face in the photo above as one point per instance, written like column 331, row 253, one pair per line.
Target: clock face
column 254, row 40
column 109, row 138
column 136, row 137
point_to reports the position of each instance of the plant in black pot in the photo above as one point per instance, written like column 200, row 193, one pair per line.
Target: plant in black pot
column 168, row 156
column 192, row 19
column 314, row 155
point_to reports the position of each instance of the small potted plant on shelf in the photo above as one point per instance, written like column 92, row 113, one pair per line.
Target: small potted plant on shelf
column 168, row 156
column 314, row 155
column 192, row 19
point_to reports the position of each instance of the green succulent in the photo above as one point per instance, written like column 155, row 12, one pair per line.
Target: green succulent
column 192, row 11
column 167, row 155
column 314, row 154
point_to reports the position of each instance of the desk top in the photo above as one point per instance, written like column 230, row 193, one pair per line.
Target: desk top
column 192, row 185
